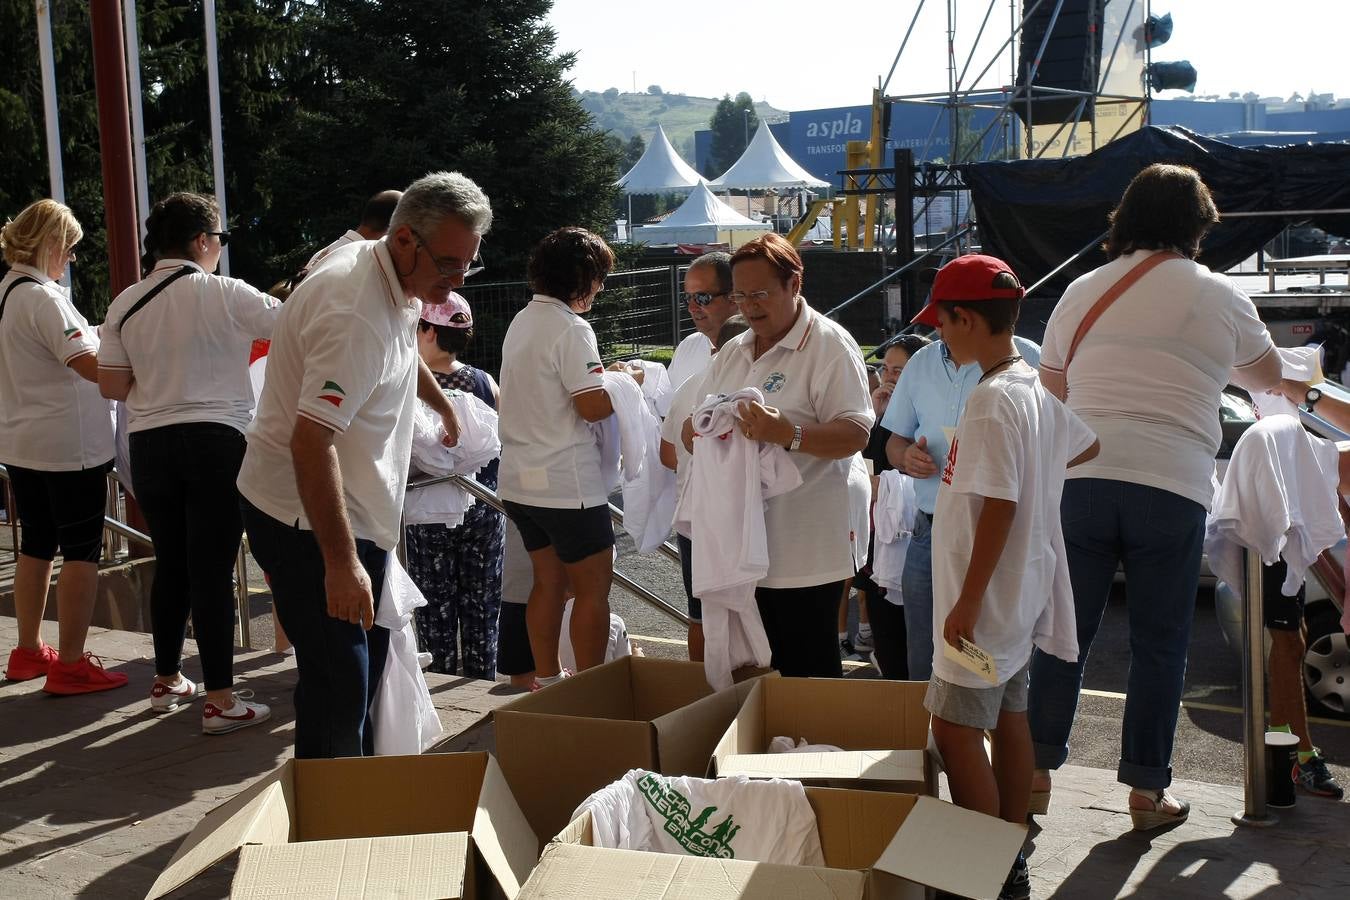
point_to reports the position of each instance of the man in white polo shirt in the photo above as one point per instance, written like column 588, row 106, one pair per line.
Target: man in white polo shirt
column 707, row 282
column 374, row 225
column 327, row 461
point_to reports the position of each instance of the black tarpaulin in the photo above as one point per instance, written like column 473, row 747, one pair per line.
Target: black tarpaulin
column 1037, row 213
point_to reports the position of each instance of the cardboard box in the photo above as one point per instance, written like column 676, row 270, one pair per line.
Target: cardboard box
column 881, row 726
column 902, row 843
column 560, row 745
column 357, row 815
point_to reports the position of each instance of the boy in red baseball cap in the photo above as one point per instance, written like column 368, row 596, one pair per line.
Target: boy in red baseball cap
column 1000, row 578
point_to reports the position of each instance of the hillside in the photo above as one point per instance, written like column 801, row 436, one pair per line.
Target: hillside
column 629, row 114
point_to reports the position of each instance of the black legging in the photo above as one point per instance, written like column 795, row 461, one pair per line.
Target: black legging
column 184, row 476
column 801, row 624
column 889, row 635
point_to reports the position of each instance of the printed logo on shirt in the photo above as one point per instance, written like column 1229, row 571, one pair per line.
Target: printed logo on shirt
column 950, row 468
column 674, row 807
column 594, row 368
column 333, row 393
column 774, row 383
column 73, row 334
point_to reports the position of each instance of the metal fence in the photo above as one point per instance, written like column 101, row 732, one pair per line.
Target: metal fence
column 639, row 311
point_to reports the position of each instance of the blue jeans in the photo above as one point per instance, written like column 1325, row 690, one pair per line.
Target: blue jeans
column 916, row 584
column 1158, row 536
column 338, row 663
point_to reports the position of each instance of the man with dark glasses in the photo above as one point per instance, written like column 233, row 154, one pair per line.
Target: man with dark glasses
column 707, row 284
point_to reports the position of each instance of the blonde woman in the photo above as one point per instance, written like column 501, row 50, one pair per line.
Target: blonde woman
column 56, row 441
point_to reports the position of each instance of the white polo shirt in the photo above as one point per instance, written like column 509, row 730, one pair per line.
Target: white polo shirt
column 350, row 237
column 549, row 456
column 691, row 357
column 188, row 347
column 343, row 354
column 813, row 375
column 687, row 398
column 51, row 419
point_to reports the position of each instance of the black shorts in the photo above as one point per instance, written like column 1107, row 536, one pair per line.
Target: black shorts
column 574, row 534
column 61, row 510
column 1282, row 613
column 513, row 641
column 687, row 573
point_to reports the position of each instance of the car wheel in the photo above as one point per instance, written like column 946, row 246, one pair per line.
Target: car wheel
column 1326, row 665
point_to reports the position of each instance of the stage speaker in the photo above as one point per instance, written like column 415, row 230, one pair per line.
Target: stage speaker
column 1071, row 60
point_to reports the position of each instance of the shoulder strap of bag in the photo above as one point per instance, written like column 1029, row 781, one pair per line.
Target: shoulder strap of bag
column 152, row 294
column 1137, row 271
column 22, row 279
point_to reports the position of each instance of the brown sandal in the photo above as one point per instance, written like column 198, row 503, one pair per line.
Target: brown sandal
column 1157, row 817
column 1039, row 804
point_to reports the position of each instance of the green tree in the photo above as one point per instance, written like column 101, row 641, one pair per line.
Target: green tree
column 733, row 124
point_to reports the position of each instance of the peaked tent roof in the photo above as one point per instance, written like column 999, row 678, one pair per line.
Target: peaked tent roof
column 702, row 207
column 765, row 164
column 660, row 170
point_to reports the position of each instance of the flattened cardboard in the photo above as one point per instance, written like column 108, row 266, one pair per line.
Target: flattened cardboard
column 385, row 796
column 414, row 867
column 903, row 843
column 881, row 727
column 571, row 872
column 560, row 745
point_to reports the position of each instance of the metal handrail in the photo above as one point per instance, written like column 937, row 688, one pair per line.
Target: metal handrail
column 489, row 496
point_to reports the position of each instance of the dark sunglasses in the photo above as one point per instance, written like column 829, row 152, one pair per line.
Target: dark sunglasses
column 223, row 235
column 702, row 298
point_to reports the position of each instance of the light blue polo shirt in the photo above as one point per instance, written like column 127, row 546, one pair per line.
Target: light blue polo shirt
column 930, row 397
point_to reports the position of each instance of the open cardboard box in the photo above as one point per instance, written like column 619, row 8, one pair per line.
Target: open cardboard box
column 901, row 844
column 560, row 745
column 436, row 826
column 881, row 726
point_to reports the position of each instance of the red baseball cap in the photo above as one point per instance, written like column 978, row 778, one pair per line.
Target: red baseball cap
column 970, row 278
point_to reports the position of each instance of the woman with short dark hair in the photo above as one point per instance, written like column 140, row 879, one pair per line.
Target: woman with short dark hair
column 1146, row 377
column 550, row 477
column 176, row 350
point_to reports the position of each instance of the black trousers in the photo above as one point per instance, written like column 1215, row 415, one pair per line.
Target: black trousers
column 184, row 479
column 888, row 635
column 801, row 624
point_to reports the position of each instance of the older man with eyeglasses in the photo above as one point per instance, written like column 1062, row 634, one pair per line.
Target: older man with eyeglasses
column 328, row 454
column 707, row 284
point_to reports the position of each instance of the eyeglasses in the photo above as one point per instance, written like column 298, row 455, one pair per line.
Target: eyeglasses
column 702, row 298
column 450, row 268
column 742, row 296
column 223, row 235
column 70, row 255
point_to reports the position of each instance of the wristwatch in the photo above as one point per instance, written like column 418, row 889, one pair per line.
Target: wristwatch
column 796, row 438
column 1310, row 399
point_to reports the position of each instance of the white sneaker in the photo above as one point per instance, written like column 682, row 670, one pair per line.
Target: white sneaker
column 863, row 642
column 243, row 714
column 165, row 698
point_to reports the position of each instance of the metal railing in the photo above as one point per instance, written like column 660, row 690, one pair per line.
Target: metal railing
column 489, row 496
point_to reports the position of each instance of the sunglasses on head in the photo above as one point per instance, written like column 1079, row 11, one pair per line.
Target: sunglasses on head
column 702, row 298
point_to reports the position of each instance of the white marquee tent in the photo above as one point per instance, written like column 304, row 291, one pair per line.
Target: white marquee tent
column 660, row 170
column 765, row 165
column 701, row 219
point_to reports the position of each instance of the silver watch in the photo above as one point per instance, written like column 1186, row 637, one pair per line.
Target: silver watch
column 796, row 438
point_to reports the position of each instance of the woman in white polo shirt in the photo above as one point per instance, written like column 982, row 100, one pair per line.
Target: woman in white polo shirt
column 552, row 386
column 176, row 349
column 56, row 441
column 817, row 405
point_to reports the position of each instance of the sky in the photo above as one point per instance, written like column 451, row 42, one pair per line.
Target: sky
column 800, row 55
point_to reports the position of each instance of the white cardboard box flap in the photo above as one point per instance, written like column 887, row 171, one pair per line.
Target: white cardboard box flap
column 876, row 765
column 413, row 867
column 926, row 850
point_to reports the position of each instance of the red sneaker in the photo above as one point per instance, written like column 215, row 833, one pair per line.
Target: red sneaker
column 25, row 664
column 83, row 677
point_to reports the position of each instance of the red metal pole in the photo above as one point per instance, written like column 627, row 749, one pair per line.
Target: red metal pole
column 114, row 133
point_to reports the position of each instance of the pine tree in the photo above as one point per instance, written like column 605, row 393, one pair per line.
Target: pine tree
column 733, row 124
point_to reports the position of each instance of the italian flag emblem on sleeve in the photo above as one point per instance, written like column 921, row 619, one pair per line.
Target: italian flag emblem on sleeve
column 594, row 368
column 73, row 334
column 333, row 393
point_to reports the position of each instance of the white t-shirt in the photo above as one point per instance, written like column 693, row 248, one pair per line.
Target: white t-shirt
column 813, row 375
column 188, row 347
column 691, row 357
column 687, row 396
column 1018, row 441
column 549, row 455
column 343, row 354
column 1147, row 376
column 350, row 237
column 51, row 419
